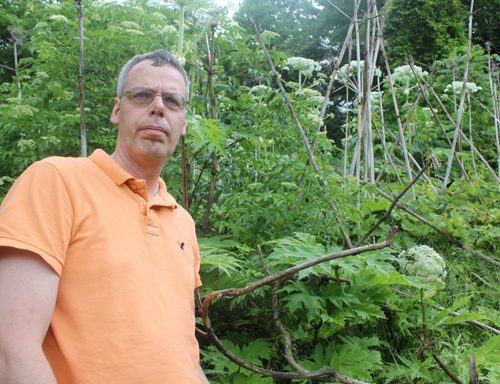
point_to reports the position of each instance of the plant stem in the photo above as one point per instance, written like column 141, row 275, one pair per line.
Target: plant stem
column 424, row 317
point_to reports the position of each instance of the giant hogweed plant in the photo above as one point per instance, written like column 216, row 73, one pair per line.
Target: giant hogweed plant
column 323, row 308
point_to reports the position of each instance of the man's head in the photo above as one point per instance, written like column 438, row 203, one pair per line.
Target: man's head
column 158, row 58
column 150, row 110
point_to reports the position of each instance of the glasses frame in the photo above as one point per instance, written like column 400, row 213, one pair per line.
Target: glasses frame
column 153, row 95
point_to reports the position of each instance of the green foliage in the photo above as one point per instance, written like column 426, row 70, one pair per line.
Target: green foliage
column 294, row 21
column 361, row 314
column 426, row 30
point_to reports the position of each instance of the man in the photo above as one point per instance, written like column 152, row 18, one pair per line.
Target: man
column 98, row 263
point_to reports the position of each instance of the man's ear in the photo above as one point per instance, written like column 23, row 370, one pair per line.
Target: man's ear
column 183, row 130
column 115, row 117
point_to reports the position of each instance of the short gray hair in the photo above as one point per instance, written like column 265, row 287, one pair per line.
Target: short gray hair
column 160, row 58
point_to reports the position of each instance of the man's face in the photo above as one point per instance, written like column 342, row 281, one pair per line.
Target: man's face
column 148, row 134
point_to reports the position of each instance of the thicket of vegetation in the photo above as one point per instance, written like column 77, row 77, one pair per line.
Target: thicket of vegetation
column 310, row 135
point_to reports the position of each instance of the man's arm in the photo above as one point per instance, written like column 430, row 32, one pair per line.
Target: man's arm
column 28, row 292
column 201, row 376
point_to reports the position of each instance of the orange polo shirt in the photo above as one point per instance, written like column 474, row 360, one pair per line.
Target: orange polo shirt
column 127, row 266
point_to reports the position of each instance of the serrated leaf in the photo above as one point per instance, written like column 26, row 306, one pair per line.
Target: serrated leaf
column 338, row 297
column 460, row 302
column 491, row 345
column 429, row 294
column 367, row 311
column 356, row 359
column 303, row 299
column 463, row 318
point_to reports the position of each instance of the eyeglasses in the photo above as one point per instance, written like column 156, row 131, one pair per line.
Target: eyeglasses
column 144, row 96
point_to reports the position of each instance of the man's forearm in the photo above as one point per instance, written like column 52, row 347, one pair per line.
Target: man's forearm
column 25, row 366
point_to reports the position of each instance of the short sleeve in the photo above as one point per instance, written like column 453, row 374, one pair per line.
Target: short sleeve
column 37, row 214
column 197, row 263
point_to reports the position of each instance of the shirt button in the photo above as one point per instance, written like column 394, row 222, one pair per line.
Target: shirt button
column 133, row 187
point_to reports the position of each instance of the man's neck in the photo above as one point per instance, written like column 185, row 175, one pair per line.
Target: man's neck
column 149, row 173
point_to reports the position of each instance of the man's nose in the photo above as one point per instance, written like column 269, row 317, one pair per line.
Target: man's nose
column 157, row 106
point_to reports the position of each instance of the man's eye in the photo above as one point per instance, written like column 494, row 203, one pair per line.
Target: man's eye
column 172, row 100
column 142, row 95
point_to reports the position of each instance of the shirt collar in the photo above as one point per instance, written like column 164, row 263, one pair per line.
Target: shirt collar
column 120, row 176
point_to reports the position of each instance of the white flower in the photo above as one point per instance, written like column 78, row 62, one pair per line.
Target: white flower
column 169, row 29
column 306, row 66
column 24, row 144
column 404, row 73
column 130, row 25
column 259, row 90
column 424, row 263
column 59, row 18
column 458, row 85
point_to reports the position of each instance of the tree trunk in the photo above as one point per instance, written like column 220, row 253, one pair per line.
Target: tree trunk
column 213, row 176
column 81, row 85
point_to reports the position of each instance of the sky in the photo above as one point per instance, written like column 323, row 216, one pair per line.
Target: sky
column 231, row 4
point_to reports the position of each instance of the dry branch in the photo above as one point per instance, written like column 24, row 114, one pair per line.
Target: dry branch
column 447, row 370
column 213, row 174
column 398, row 118
column 473, row 375
column 462, row 101
column 81, row 83
column 460, row 131
column 445, row 135
column 287, row 340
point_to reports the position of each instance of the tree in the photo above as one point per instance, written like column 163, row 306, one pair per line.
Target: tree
column 486, row 23
column 426, row 30
column 17, row 18
column 293, row 20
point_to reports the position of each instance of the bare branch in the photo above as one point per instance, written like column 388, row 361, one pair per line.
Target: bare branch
column 287, row 340
column 290, row 271
column 338, row 9
column 458, row 130
column 9, row 68
column 443, row 366
column 482, row 280
column 473, row 375
column 262, row 261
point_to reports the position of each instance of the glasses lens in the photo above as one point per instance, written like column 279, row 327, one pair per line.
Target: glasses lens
column 146, row 96
column 141, row 96
column 174, row 101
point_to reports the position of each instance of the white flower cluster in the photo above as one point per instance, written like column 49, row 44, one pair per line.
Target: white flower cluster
column 306, row 66
column 259, row 90
column 24, row 144
column 130, row 25
column 169, row 29
column 51, row 139
column 404, row 73
column 424, row 263
column 351, row 69
column 59, row 18
column 458, row 85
